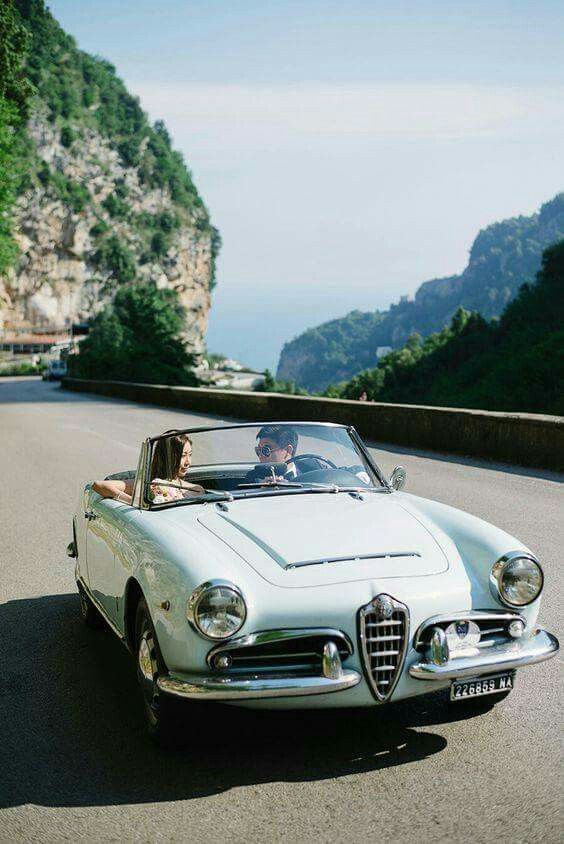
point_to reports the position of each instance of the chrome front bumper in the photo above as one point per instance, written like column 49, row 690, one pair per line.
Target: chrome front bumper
column 516, row 654
column 251, row 688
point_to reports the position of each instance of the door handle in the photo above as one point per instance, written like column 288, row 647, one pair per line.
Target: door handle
column 90, row 515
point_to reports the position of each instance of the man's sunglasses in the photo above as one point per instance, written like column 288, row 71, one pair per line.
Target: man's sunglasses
column 263, row 450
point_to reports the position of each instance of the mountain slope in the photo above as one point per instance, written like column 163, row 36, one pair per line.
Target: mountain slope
column 502, row 257
column 105, row 200
column 514, row 364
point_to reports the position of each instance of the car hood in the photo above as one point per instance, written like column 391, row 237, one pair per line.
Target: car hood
column 320, row 539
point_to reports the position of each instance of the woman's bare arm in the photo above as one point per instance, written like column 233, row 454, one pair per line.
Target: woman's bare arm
column 120, row 490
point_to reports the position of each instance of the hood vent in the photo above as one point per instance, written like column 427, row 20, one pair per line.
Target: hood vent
column 352, row 559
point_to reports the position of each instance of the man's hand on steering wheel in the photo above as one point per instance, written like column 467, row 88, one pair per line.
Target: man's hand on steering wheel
column 298, row 457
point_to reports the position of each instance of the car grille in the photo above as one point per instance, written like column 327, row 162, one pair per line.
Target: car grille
column 297, row 655
column 493, row 627
column 383, row 630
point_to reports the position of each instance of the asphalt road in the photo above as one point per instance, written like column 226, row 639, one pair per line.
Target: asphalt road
column 74, row 759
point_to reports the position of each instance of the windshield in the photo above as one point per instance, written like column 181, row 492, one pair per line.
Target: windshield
column 249, row 460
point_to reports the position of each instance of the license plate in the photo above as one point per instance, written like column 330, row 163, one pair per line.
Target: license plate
column 478, row 686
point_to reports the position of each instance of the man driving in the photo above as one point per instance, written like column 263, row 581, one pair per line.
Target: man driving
column 277, row 444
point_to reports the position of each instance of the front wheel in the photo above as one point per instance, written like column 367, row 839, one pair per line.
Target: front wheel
column 159, row 709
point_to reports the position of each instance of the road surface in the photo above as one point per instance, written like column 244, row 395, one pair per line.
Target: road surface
column 74, row 759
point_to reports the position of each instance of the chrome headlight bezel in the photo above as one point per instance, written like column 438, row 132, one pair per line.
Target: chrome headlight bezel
column 500, row 567
column 195, row 600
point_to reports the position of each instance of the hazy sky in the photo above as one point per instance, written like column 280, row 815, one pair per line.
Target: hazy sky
column 348, row 150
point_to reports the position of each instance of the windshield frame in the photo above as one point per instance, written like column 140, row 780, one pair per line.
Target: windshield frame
column 141, row 500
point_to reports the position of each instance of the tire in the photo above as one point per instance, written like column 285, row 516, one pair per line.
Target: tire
column 160, row 710
column 88, row 611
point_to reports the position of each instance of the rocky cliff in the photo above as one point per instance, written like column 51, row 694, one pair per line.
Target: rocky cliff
column 503, row 257
column 104, row 200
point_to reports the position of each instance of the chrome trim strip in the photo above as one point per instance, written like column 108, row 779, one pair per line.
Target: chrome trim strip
column 266, row 637
column 205, row 428
column 352, row 558
column 138, row 498
column 253, row 688
column 465, row 615
column 82, row 585
column 518, row 653
column 363, row 639
column 356, row 438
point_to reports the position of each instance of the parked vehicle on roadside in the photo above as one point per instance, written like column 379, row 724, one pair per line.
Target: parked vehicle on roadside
column 55, row 370
column 307, row 582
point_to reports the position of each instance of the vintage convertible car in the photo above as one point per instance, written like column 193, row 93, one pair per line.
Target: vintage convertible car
column 301, row 579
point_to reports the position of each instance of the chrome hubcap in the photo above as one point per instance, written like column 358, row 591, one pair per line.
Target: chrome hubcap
column 144, row 659
column 147, row 673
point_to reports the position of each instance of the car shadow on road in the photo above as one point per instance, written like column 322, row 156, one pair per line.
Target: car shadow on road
column 73, row 730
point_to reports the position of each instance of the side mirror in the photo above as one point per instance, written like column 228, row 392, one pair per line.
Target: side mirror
column 398, row 478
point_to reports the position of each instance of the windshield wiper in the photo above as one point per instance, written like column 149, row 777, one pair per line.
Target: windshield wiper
column 335, row 488
column 207, row 495
column 223, row 495
column 257, row 484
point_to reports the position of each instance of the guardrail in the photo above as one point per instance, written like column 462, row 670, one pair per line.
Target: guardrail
column 526, row 439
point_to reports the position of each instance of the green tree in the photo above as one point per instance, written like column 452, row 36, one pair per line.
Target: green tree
column 137, row 338
column 14, row 92
column 116, row 260
column 68, row 136
column 271, row 385
column 15, row 87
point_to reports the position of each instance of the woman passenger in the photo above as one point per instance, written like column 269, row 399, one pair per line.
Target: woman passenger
column 171, row 460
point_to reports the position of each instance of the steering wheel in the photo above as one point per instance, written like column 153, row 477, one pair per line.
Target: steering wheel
column 299, row 457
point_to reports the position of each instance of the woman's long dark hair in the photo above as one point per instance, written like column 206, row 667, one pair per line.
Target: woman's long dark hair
column 167, row 455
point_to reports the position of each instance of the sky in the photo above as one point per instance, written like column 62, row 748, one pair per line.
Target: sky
column 347, row 151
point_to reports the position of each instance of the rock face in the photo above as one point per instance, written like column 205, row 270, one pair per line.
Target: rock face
column 60, row 277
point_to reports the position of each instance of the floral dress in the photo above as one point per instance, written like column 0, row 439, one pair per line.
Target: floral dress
column 163, row 491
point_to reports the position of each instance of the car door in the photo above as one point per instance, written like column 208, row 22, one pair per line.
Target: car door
column 104, row 516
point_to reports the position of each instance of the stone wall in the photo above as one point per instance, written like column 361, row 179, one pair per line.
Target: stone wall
column 525, row 439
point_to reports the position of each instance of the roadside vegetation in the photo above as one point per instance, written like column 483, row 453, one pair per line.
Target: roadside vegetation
column 271, row 385
column 138, row 337
column 24, row 368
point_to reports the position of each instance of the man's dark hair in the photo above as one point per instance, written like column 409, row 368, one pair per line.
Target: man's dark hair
column 282, row 435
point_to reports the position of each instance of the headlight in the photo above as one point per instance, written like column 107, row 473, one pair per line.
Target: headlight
column 216, row 609
column 517, row 579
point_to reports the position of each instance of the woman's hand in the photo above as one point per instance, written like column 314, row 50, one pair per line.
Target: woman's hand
column 120, row 490
column 194, row 489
